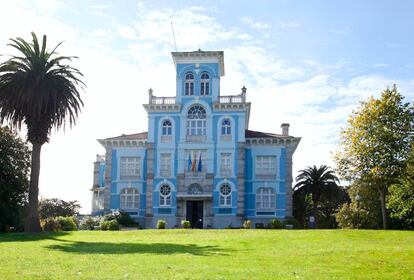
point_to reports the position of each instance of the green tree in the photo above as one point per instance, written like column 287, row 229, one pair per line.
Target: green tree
column 54, row 207
column 400, row 201
column 376, row 143
column 363, row 210
column 316, row 182
column 40, row 90
column 14, row 170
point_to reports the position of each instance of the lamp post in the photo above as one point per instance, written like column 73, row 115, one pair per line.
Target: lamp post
column 357, row 198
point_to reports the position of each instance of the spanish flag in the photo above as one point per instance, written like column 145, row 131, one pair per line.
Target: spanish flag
column 193, row 167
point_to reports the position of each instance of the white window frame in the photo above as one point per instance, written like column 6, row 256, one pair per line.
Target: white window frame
column 265, row 199
column 166, row 128
column 196, row 121
column 266, row 165
column 226, row 164
column 165, row 199
column 226, row 128
column 130, row 168
column 225, row 197
column 165, row 164
column 189, row 84
column 205, row 84
column 129, row 198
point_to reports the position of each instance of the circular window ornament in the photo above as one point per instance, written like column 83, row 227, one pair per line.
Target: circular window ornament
column 165, row 190
column 225, row 189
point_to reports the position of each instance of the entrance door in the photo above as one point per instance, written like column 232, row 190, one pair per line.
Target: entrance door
column 195, row 213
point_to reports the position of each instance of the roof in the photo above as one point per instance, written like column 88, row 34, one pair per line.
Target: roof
column 258, row 134
column 248, row 134
column 135, row 136
column 200, row 56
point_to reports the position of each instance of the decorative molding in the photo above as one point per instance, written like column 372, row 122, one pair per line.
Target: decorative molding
column 122, row 143
column 162, row 107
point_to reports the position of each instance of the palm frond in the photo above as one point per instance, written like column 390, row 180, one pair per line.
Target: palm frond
column 38, row 88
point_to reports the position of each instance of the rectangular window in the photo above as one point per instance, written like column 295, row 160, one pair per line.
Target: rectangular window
column 130, row 168
column 225, row 164
column 196, row 127
column 165, row 165
column 266, row 165
column 189, row 88
column 265, row 199
column 204, row 88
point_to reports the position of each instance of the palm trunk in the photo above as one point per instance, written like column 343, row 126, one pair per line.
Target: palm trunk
column 32, row 219
column 383, row 209
column 315, row 213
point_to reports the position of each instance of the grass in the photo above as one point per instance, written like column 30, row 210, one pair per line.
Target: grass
column 209, row 254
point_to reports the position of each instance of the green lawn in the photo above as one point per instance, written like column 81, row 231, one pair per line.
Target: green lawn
column 209, row 254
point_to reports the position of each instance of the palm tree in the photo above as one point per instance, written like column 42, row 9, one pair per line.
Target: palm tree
column 316, row 181
column 38, row 89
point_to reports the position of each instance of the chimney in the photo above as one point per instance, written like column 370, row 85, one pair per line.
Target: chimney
column 285, row 129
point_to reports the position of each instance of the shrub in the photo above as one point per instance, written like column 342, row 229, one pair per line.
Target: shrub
column 104, row 225
column 67, row 223
column 109, row 217
column 113, row 225
column 88, row 224
column 110, row 225
column 247, row 224
column 291, row 221
column 125, row 219
column 161, row 224
column 185, row 224
column 50, row 224
column 350, row 216
column 275, row 224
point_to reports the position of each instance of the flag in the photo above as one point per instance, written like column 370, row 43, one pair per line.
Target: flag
column 199, row 164
column 189, row 162
column 193, row 167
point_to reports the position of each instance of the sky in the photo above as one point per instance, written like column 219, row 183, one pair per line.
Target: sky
column 307, row 63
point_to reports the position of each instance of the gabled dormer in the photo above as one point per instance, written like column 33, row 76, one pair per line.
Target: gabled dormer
column 198, row 75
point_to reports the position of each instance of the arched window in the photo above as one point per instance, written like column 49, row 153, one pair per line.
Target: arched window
column 129, row 198
column 226, row 127
column 265, row 199
column 225, row 195
column 196, row 121
column 189, row 84
column 205, row 84
column 166, row 128
column 165, row 195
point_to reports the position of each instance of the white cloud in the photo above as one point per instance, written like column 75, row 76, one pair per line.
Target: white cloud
column 254, row 24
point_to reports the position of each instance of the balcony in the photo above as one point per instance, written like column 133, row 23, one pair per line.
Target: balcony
column 229, row 99
column 163, row 100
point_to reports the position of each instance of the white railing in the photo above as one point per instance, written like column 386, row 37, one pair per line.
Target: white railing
column 162, row 100
column 240, row 98
column 168, row 100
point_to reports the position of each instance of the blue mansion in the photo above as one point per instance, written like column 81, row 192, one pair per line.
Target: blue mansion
column 198, row 161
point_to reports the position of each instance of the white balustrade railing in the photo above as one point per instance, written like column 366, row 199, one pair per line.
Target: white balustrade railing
column 162, row 100
column 241, row 98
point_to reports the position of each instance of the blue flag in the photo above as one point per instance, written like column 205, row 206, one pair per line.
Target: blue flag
column 199, row 164
column 189, row 162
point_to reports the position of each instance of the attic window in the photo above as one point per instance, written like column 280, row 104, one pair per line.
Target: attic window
column 189, row 84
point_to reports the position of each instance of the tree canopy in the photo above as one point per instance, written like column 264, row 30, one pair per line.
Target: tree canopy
column 14, row 163
column 54, row 207
column 376, row 143
column 318, row 182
